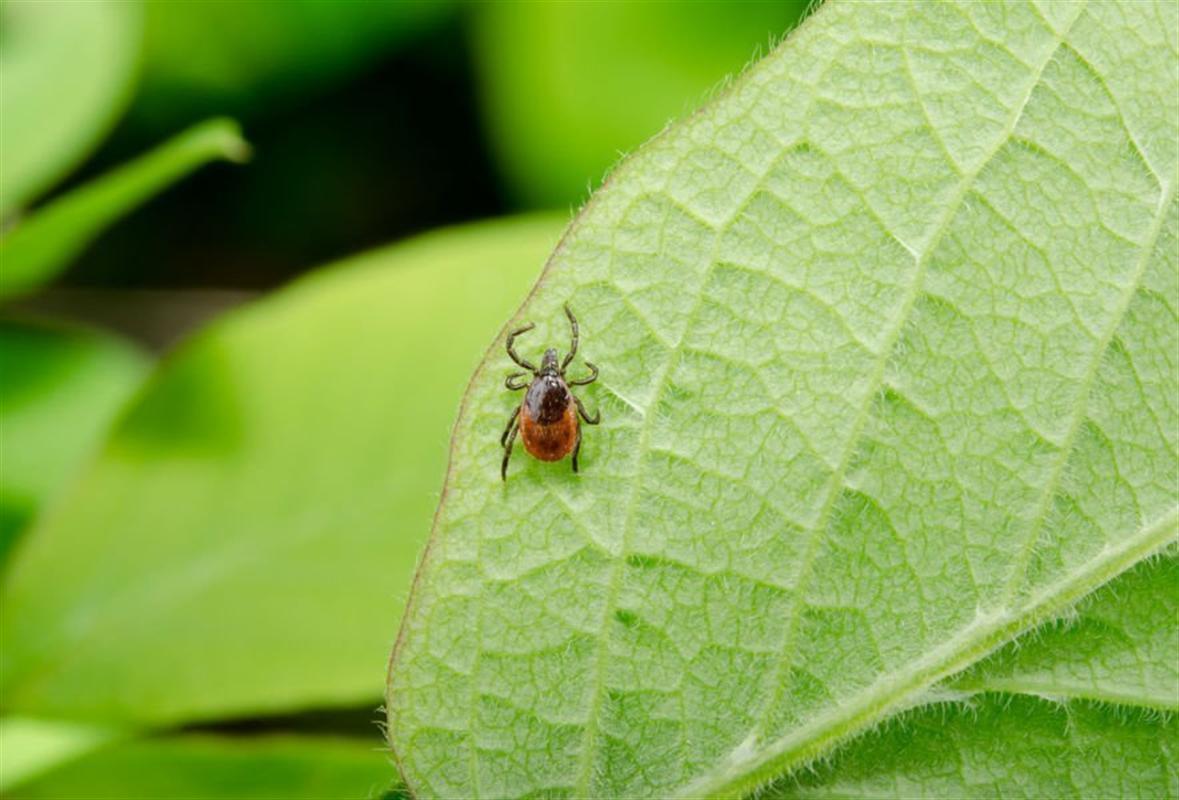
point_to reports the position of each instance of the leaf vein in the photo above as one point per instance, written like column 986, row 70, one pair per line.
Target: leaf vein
column 1081, row 403
column 836, row 482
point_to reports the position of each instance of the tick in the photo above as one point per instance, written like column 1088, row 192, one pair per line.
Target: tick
column 546, row 418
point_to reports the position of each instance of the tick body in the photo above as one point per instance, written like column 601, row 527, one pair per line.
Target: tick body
column 547, row 418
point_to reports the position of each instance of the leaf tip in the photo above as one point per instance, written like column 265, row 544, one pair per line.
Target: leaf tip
column 224, row 137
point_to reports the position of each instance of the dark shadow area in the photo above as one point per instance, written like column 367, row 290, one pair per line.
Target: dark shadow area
column 396, row 151
column 364, row 722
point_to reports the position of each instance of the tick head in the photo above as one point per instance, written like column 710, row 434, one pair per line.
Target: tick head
column 549, row 362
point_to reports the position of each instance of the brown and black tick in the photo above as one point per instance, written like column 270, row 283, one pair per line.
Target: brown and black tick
column 546, row 418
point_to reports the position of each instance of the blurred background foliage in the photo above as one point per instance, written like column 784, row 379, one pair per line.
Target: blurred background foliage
column 209, row 515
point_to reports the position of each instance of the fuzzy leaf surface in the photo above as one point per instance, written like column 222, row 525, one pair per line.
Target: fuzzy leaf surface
column 888, row 345
column 998, row 746
column 1068, row 710
column 1121, row 647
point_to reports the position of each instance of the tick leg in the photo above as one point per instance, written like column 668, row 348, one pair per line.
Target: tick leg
column 584, row 381
column 581, row 409
column 511, row 436
column 572, row 347
column 511, row 381
column 576, row 447
column 511, row 422
column 525, row 363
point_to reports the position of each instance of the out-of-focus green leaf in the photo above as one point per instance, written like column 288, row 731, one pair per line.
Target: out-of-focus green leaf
column 42, row 245
column 207, row 767
column 238, row 57
column 568, row 86
column 1121, row 647
column 66, row 72
column 1002, row 746
column 32, row 746
column 246, row 540
column 59, row 391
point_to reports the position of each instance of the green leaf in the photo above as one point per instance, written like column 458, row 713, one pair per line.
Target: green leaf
column 60, row 391
column 568, row 86
column 996, row 746
column 207, row 766
column 886, row 337
column 34, row 746
column 244, row 58
column 41, row 246
column 68, row 71
column 249, row 531
column 1121, row 647
column 1033, row 740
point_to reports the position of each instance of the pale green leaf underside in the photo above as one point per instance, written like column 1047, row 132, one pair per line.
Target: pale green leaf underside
column 887, row 337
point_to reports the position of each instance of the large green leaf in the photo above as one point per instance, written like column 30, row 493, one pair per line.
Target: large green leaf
column 887, row 337
column 207, row 766
column 247, row 537
column 568, row 86
column 59, row 393
column 67, row 73
column 41, row 246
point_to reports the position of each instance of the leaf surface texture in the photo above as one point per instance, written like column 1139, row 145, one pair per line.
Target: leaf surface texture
column 887, row 336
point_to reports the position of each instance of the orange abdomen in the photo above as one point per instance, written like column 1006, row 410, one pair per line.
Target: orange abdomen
column 549, row 441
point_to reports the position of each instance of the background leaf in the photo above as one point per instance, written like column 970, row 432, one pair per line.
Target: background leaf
column 1002, row 746
column 243, row 58
column 567, row 87
column 32, row 746
column 251, row 525
column 68, row 71
column 43, row 245
column 200, row 766
column 887, row 339
column 61, row 390
column 1120, row 648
